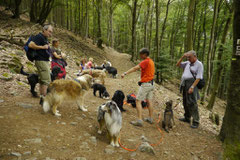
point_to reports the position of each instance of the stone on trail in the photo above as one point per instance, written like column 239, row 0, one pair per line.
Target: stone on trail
column 27, row 153
column 25, row 105
column 79, row 158
column 74, row 123
column 144, row 139
column 1, row 100
column 109, row 149
column 34, row 140
column 133, row 154
column 17, row 154
column 48, row 158
column 146, row 147
column 1, row 117
column 93, row 140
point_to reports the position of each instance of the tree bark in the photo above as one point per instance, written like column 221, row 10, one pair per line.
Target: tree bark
column 210, row 51
column 230, row 131
column 189, row 40
column 133, row 34
column 156, row 57
column 219, row 64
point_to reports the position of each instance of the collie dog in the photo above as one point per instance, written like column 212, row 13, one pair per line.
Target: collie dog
column 95, row 73
column 62, row 90
column 110, row 115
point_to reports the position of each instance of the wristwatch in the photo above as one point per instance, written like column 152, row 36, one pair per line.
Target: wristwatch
column 192, row 87
column 125, row 73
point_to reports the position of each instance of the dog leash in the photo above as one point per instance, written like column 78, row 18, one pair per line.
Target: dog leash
column 154, row 144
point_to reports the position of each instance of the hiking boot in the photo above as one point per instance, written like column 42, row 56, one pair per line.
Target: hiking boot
column 148, row 120
column 194, row 125
column 184, row 120
column 138, row 123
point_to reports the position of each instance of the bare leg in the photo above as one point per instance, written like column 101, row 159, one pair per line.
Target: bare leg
column 150, row 108
column 139, row 109
column 43, row 89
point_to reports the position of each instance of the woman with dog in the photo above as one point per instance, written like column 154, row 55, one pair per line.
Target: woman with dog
column 90, row 64
column 146, row 86
column 57, row 59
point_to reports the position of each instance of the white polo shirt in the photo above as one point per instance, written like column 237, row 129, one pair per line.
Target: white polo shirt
column 196, row 68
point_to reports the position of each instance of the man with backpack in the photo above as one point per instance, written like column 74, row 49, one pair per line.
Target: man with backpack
column 192, row 80
column 39, row 44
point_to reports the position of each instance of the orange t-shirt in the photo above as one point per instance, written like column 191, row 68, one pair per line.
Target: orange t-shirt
column 147, row 70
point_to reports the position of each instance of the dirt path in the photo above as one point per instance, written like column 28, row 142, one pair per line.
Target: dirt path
column 26, row 130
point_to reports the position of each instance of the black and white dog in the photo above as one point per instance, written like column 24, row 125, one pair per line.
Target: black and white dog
column 102, row 91
column 33, row 78
column 119, row 97
column 112, row 71
column 110, row 115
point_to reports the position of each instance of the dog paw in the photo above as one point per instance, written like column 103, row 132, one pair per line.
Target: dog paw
column 112, row 144
column 99, row 132
column 57, row 111
column 116, row 144
column 57, row 114
column 83, row 109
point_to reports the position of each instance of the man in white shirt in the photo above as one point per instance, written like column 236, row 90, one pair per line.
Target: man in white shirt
column 192, row 74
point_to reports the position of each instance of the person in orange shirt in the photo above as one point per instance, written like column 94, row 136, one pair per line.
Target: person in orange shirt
column 146, row 86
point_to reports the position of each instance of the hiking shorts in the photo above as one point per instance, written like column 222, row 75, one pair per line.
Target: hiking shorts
column 43, row 68
column 145, row 92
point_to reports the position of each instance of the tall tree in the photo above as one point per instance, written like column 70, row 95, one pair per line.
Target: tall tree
column 156, row 55
column 17, row 9
column 210, row 50
column 190, row 22
column 99, row 30
column 230, row 131
column 219, row 63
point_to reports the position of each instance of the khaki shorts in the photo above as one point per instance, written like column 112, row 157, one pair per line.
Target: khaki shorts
column 145, row 92
column 43, row 68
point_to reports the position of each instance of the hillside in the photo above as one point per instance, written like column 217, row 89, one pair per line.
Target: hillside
column 26, row 130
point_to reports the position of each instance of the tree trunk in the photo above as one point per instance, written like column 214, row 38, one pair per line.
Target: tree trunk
column 17, row 9
column 219, row 64
column 134, row 15
column 189, row 40
column 210, row 51
column 156, row 57
column 86, row 17
column 146, row 23
column 230, row 131
column 111, row 24
column 99, row 32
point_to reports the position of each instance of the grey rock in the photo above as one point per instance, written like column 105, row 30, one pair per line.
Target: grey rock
column 93, row 139
column 1, row 117
column 27, row 153
column 63, row 123
column 79, row 158
column 195, row 157
column 133, row 154
column 48, row 136
column 109, row 151
column 146, row 147
column 1, row 100
column 84, row 145
column 144, row 139
column 74, row 123
column 25, row 105
column 17, row 154
column 79, row 118
column 87, row 134
column 34, row 140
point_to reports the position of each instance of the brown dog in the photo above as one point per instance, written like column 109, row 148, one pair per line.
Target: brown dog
column 95, row 73
column 61, row 90
column 168, row 121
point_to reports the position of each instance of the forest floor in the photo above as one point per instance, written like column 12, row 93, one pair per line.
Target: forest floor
column 29, row 134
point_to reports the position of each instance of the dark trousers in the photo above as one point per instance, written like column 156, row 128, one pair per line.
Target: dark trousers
column 190, row 102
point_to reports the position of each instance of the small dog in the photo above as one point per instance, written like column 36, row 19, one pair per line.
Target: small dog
column 95, row 74
column 61, row 90
column 112, row 70
column 110, row 115
column 131, row 98
column 102, row 91
column 119, row 97
column 98, row 67
column 168, row 121
column 33, row 78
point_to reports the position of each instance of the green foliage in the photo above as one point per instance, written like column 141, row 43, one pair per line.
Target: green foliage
column 232, row 151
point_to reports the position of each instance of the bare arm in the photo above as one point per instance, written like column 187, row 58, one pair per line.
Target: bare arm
column 180, row 60
column 195, row 82
column 34, row 46
column 56, row 55
column 134, row 69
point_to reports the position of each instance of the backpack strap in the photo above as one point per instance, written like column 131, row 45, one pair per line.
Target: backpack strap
column 192, row 72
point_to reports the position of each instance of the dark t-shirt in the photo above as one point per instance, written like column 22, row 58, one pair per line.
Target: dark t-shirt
column 42, row 54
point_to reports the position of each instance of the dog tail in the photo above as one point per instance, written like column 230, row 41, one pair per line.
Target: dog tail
column 23, row 73
column 46, row 106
